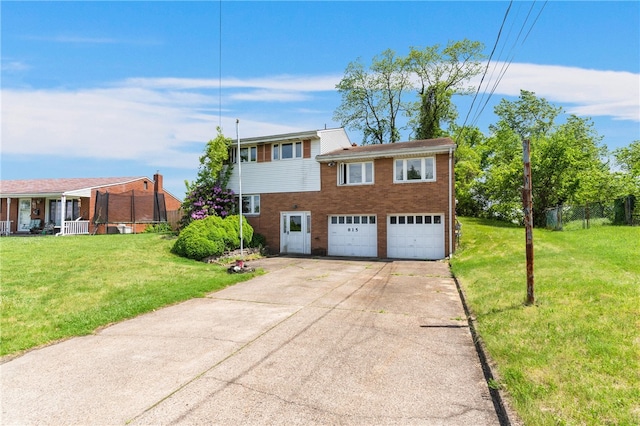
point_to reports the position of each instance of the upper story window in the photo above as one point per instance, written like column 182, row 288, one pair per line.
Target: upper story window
column 415, row 169
column 355, row 173
column 251, row 204
column 286, row 151
column 248, row 154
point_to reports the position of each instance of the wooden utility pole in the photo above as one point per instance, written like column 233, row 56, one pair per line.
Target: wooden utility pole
column 528, row 218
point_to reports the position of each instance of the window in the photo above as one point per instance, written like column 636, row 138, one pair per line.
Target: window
column 286, row 151
column 251, row 204
column 415, row 169
column 72, row 211
column 355, row 173
column 248, row 154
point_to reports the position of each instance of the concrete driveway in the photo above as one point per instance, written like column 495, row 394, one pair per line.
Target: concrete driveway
column 313, row 341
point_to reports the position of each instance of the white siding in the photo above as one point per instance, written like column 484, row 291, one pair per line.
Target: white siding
column 295, row 175
column 332, row 139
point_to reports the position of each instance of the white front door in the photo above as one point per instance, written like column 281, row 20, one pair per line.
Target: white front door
column 295, row 232
column 24, row 214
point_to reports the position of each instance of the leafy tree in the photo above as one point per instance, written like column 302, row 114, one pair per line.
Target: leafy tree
column 468, row 171
column 628, row 159
column 208, row 195
column 529, row 116
column 373, row 98
column 442, row 72
column 566, row 160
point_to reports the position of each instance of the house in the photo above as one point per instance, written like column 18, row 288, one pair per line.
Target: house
column 88, row 205
column 315, row 193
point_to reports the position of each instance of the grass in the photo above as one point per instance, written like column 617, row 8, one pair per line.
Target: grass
column 574, row 357
column 57, row 287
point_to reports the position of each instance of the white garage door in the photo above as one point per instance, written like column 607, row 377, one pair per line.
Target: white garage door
column 353, row 235
column 415, row 236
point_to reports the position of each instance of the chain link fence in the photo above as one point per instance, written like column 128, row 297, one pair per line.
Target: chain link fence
column 619, row 212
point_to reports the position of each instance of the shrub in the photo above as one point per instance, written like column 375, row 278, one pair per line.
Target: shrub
column 211, row 237
column 158, row 228
column 258, row 240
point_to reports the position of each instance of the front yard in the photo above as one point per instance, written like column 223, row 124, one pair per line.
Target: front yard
column 57, row 287
column 574, row 357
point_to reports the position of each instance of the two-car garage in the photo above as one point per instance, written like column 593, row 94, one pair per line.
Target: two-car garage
column 409, row 236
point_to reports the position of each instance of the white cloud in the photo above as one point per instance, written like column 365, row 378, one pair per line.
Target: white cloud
column 165, row 122
column 14, row 66
column 580, row 91
column 280, row 82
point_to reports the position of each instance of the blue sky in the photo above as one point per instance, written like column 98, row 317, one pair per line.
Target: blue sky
column 119, row 88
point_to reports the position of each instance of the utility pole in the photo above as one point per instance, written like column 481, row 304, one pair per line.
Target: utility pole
column 528, row 218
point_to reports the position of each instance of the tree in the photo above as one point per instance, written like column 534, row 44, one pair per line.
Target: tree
column 566, row 160
column 529, row 116
column 628, row 158
column 468, row 171
column 441, row 74
column 208, row 195
column 374, row 98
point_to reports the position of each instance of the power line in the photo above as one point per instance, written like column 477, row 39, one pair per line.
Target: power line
column 505, row 64
column 504, row 19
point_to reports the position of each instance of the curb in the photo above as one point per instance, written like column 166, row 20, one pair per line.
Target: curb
column 506, row 416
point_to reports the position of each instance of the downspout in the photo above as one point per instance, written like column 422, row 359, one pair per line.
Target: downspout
column 450, row 202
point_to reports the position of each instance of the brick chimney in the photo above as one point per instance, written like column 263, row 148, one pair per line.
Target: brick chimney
column 157, row 182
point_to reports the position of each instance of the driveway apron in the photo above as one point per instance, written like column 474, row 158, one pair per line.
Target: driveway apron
column 312, row 341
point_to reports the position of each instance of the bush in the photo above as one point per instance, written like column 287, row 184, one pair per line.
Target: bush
column 211, row 236
column 158, row 228
column 258, row 241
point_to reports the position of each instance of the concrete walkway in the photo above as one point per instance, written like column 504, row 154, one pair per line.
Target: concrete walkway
column 313, row 341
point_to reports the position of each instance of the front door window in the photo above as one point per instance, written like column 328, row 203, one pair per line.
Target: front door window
column 295, row 235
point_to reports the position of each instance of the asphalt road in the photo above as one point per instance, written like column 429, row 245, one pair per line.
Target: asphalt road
column 313, row 341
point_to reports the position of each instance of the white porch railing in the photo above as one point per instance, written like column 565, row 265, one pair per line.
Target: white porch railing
column 75, row 227
column 5, row 227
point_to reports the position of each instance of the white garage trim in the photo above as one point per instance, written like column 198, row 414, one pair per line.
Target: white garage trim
column 353, row 235
column 415, row 236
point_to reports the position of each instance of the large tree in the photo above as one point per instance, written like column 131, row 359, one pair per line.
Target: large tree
column 567, row 160
column 441, row 73
column 374, row 97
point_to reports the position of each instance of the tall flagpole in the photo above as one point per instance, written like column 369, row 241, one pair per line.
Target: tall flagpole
column 239, row 186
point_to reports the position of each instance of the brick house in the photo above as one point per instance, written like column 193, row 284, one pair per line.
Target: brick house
column 315, row 193
column 38, row 202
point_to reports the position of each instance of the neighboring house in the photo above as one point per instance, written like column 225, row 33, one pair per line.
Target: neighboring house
column 315, row 193
column 44, row 203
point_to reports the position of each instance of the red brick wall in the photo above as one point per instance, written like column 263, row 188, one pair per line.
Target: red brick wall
column 381, row 199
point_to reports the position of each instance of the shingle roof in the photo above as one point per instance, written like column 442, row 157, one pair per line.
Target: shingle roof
column 58, row 186
column 390, row 149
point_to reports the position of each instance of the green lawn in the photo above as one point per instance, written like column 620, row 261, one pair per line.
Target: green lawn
column 57, row 287
column 574, row 357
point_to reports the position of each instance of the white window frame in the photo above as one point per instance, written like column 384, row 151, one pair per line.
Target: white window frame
column 254, row 204
column 297, row 151
column 423, row 170
column 344, row 177
column 252, row 154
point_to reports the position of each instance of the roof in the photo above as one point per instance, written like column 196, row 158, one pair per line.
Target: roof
column 59, row 186
column 398, row 149
column 296, row 136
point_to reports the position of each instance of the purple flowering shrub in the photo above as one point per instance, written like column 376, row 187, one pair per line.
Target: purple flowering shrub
column 204, row 201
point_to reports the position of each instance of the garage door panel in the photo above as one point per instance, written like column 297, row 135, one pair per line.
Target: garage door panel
column 353, row 235
column 415, row 236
